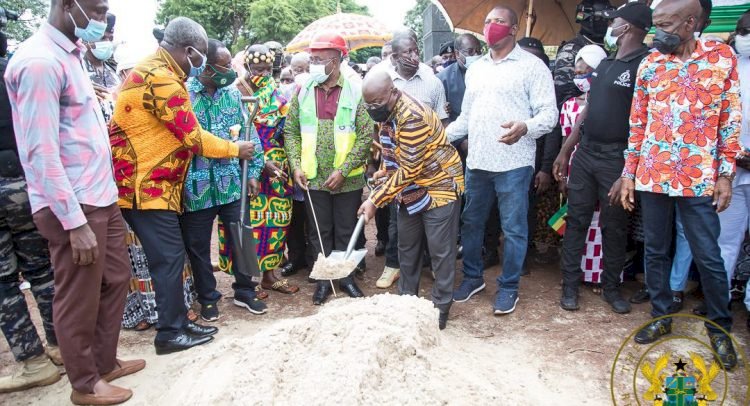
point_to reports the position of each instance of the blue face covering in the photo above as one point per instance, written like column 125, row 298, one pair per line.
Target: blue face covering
column 94, row 30
column 196, row 71
column 103, row 50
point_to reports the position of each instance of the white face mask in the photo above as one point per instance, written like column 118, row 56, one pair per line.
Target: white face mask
column 318, row 73
column 742, row 44
column 583, row 84
column 611, row 40
column 471, row 59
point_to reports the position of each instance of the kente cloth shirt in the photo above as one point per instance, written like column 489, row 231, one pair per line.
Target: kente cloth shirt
column 684, row 122
column 213, row 182
column 154, row 135
column 424, row 170
column 326, row 106
column 515, row 88
column 61, row 134
column 423, row 86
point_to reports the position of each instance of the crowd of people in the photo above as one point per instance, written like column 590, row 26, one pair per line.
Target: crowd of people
column 115, row 172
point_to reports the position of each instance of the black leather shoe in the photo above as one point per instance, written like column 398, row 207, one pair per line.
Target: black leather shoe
column 288, row 270
column 618, row 304
column 653, row 331
column 196, row 330
column 641, row 296
column 722, row 344
column 322, row 291
column 569, row 298
column 380, row 249
column 443, row 315
column 701, row 309
column 676, row 305
column 182, row 342
column 348, row 286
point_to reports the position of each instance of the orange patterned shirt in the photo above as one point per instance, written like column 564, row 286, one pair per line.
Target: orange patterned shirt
column 154, row 134
column 684, row 122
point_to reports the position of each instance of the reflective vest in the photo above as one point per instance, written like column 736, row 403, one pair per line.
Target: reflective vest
column 344, row 129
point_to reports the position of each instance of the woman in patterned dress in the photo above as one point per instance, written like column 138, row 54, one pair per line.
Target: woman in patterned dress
column 271, row 210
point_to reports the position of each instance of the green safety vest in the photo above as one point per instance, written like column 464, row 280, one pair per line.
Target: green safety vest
column 344, row 129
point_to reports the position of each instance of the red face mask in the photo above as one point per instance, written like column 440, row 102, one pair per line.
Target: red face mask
column 493, row 33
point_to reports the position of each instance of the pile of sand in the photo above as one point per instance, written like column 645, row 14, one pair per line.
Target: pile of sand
column 379, row 350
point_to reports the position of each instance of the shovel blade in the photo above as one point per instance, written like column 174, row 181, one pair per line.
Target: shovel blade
column 243, row 251
column 338, row 262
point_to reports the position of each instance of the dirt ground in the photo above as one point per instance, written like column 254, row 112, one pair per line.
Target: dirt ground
column 539, row 354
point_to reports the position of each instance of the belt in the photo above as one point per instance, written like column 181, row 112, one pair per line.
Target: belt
column 594, row 147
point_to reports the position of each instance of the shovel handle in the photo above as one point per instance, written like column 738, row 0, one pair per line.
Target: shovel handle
column 355, row 236
column 248, row 127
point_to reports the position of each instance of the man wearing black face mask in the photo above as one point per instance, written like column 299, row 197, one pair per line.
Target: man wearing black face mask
column 684, row 139
column 212, row 186
column 424, row 181
column 590, row 14
column 154, row 135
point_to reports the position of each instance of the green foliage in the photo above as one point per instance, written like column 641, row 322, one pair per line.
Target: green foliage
column 362, row 55
column 414, row 18
column 225, row 20
column 281, row 20
column 242, row 22
column 31, row 12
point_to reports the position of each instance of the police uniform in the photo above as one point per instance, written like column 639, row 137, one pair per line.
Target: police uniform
column 23, row 251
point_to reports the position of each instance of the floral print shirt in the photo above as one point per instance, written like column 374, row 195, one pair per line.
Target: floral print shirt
column 684, row 122
column 214, row 182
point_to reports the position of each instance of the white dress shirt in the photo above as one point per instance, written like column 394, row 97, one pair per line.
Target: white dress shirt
column 515, row 88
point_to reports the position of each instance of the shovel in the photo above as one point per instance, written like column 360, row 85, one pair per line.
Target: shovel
column 243, row 252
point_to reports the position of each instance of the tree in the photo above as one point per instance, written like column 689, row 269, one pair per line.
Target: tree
column 281, row 20
column 31, row 12
column 362, row 55
column 414, row 18
column 225, row 20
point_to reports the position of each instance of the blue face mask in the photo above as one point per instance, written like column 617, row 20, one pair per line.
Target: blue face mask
column 196, row 71
column 103, row 50
column 94, row 30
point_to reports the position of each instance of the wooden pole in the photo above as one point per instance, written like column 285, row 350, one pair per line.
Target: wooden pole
column 528, row 18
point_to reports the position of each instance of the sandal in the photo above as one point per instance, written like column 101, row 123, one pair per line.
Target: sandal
column 192, row 316
column 143, row 325
column 282, row 286
column 260, row 293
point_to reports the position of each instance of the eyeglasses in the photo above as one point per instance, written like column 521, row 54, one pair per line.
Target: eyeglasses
column 743, row 30
column 470, row 51
column 318, row 61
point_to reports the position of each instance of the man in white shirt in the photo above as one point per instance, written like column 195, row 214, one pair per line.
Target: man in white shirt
column 509, row 102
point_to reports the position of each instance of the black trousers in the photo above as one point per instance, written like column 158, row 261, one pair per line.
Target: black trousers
column 161, row 238
column 300, row 252
column 592, row 174
column 382, row 216
column 197, row 227
column 337, row 217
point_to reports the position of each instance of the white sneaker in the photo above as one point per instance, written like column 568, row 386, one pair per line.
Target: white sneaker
column 389, row 276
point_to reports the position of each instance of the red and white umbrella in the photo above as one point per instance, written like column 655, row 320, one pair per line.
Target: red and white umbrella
column 359, row 31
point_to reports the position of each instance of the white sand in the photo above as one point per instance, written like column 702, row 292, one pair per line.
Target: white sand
column 330, row 268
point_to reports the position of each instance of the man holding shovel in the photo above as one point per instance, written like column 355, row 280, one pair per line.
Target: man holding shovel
column 425, row 178
column 327, row 141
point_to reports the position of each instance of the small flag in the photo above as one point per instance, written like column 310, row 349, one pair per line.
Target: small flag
column 557, row 221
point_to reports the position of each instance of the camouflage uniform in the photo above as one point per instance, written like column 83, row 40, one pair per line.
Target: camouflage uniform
column 23, row 251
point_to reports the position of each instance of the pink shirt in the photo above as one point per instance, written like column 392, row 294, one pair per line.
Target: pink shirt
column 62, row 137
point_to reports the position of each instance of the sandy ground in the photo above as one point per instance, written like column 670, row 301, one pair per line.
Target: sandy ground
column 539, row 354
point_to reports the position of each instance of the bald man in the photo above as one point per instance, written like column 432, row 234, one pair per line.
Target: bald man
column 685, row 162
column 424, row 178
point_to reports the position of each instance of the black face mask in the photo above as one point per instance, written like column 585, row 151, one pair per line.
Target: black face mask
column 666, row 42
column 379, row 114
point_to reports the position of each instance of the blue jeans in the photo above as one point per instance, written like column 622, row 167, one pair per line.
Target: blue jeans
column 701, row 225
column 682, row 256
column 512, row 189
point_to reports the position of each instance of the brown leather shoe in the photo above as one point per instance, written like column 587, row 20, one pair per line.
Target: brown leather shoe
column 104, row 394
column 124, row 368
